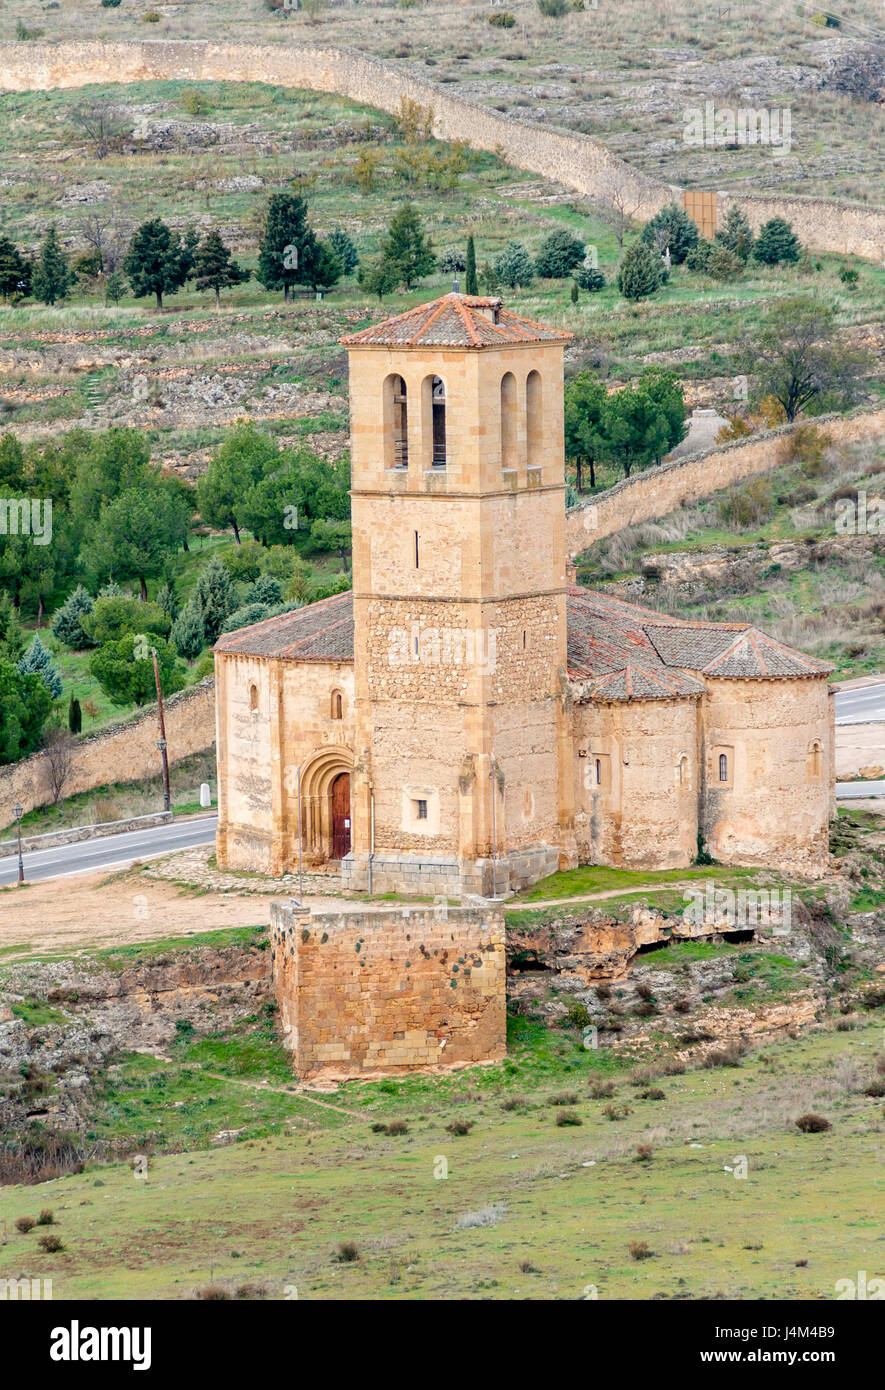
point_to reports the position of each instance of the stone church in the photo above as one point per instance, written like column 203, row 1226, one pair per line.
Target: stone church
column 468, row 720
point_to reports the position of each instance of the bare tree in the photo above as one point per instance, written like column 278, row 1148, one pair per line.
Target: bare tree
column 59, row 749
column 106, row 239
column 101, row 123
column 619, row 202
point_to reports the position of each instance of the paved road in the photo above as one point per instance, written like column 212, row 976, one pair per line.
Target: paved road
column 111, row 852
column 856, row 791
column 860, row 706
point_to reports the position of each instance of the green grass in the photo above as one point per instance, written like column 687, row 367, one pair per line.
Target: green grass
column 272, row 1208
column 34, row 1012
column 573, row 883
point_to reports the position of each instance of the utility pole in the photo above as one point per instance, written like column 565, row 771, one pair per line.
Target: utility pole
column 167, row 800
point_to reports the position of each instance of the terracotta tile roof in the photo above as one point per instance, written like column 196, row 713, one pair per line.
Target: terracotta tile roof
column 622, row 651
column 456, row 320
column 616, row 650
column 318, row 632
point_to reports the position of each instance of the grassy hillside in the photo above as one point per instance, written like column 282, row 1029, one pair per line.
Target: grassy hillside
column 623, row 74
column 529, row 1209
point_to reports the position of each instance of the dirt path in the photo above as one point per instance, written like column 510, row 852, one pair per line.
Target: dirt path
column 94, row 910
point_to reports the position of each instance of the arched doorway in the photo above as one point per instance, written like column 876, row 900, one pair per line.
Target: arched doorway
column 325, row 805
column 341, row 815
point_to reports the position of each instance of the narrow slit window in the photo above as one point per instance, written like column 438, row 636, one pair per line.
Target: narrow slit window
column 416, row 550
column 723, row 768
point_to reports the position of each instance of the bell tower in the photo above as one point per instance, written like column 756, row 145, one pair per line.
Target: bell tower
column 462, row 778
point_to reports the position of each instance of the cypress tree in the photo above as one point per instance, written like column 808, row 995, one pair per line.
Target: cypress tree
column 470, row 281
column 75, row 715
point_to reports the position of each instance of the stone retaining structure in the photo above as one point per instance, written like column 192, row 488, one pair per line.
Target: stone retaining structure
column 657, row 491
column 575, row 160
column 392, row 991
column 125, row 751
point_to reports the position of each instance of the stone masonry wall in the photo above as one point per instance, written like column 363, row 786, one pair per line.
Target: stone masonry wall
column 124, row 752
column 577, row 161
column 656, row 491
column 389, row 991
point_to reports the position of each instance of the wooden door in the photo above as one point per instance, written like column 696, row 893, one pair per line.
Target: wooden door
column 341, row 815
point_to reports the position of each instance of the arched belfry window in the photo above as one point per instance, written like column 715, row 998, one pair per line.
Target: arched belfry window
column 253, row 699
column 508, row 421
column 337, row 705
column 438, row 407
column 396, row 423
column 534, row 421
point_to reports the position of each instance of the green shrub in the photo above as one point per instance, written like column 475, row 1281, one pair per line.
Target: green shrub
column 502, row 19
column 749, row 505
column 568, row 1117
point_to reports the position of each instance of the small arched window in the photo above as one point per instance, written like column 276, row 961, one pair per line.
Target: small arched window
column 337, row 705
column 253, row 698
column 723, row 768
column 534, row 418
column 682, row 770
column 599, row 772
column 508, row 421
column 816, row 759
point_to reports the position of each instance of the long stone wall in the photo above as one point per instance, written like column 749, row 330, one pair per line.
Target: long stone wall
column 122, row 752
column 577, row 161
column 658, row 491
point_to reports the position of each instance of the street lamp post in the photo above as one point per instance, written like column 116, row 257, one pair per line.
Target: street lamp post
column 18, row 812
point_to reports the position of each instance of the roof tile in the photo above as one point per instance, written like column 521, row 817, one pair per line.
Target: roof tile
column 456, row 320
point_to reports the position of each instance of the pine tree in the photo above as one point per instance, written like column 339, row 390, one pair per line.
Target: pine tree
column 671, row 230
column 15, row 272
column 640, row 272
column 344, row 249
column 66, row 625
column 377, row 277
column 407, row 249
column 12, row 634
column 470, row 281
column 286, row 244
column 115, row 287
column 156, row 262
column 735, row 233
column 75, row 715
column 776, row 242
column 214, row 268
column 514, row 266
column 188, row 634
column 38, row 662
column 52, row 277
column 215, row 596
column 560, row 253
